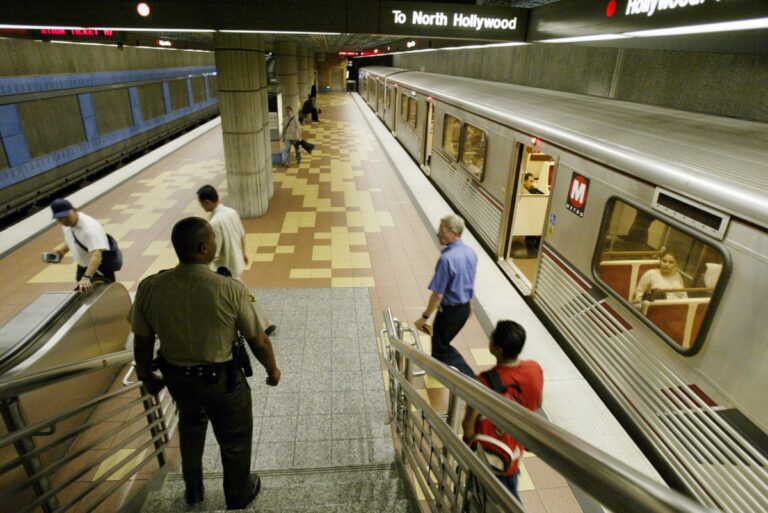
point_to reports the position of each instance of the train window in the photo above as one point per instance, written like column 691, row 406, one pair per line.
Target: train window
column 404, row 106
column 666, row 274
column 451, row 136
column 413, row 108
column 389, row 98
column 473, row 152
column 381, row 93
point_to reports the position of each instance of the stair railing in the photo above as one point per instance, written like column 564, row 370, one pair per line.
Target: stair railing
column 146, row 424
column 453, row 478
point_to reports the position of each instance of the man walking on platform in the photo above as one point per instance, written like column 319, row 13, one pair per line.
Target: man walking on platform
column 290, row 137
column 197, row 314
column 452, row 288
column 230, row 242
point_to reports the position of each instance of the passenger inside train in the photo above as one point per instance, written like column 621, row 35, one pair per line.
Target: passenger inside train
column 666, row 274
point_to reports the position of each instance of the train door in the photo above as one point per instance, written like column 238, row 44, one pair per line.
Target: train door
column 526, row 212
column 429, row 129
column 380, row 103
column 390, row 109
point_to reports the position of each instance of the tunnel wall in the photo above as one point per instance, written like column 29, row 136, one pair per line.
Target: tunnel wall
column 68, row 112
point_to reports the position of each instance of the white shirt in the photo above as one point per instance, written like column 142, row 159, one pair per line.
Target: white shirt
column 229, row 233
column 90, row 233
column 653, row 279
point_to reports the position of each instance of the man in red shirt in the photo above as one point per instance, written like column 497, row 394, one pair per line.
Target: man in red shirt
column 519, row 380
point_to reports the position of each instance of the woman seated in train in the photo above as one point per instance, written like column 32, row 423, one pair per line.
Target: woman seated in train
column 655, row 283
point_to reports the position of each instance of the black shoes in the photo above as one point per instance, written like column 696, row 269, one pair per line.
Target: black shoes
column 194, row 494
column 254, row 491
column 270, row 329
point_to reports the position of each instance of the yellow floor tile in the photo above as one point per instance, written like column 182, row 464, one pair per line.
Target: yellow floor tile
column 483, row 356
column 323, row 235
column 321, row 253
column 357, row 239
column 269, row 239
column 364, row 282
column 524, row 482
column 156, row 248
column 58, row 273
column 285, row 249
column 299, row 274
column 342, row 282
column 263, row 257
column 116, row 458
column 320, row 273
column 360, row 260
column 431, row 382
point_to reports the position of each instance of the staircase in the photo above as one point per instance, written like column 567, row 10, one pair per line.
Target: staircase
column 354, row 489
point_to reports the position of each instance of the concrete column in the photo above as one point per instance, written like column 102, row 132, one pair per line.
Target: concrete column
column 242, row 84
column 311, row 68
column 286, row 73
column 303, row 76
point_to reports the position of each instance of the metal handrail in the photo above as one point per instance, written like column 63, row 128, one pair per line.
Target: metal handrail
column 157, row 412
column 610, row 481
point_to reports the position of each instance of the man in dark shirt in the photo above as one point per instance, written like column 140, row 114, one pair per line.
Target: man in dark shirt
column 452, row 288
column 309, row 108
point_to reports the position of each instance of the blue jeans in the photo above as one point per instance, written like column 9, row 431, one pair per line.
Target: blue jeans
column 511, row 483
column 286, row 155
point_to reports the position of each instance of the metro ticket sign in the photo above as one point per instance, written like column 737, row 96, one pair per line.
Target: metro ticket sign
column 578, row 191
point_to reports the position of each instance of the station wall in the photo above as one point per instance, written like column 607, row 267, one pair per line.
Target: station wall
column 71, row 111
column 720, row 84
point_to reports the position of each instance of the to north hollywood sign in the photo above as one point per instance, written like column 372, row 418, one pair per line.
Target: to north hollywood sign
column 458, row 20
column 649, row 7
column 454, row 21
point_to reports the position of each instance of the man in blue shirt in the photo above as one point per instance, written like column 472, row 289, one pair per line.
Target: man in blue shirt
column 452, row 288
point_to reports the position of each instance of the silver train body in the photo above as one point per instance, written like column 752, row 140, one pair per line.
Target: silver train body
column 683, row 362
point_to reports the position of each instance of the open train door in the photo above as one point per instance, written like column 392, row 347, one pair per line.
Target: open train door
column 429, row 128
column 526, row 214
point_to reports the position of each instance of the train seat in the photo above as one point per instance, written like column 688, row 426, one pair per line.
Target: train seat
column 622, row 275
column 679, row 318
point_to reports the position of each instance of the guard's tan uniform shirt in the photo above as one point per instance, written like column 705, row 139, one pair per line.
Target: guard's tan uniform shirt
column 195, row 312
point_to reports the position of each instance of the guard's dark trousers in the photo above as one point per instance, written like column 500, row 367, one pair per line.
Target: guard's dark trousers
column 232, row 419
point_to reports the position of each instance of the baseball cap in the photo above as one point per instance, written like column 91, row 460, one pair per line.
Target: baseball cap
column 61, row 208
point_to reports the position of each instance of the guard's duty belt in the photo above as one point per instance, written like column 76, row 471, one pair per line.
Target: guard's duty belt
column 210, row 373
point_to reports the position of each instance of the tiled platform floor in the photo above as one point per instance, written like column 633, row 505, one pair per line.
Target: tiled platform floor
column 339, row 220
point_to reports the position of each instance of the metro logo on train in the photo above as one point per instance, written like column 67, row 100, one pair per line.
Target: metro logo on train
column 577, row 194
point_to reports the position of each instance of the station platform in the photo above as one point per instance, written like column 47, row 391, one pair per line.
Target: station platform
column 358, row 217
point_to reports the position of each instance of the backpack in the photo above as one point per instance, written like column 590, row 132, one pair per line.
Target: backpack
column 502, row 452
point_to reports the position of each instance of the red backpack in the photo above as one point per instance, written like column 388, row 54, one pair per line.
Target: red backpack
column 502, row 452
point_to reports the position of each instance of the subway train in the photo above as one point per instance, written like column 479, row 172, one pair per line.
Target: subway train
column 639, row 234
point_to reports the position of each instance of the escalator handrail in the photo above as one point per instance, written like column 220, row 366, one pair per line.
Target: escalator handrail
column 13, row 387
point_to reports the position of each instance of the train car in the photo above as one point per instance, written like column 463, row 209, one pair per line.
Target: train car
column 381, row 94
column 640, row 236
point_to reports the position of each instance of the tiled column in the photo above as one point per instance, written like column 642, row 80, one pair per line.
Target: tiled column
column 286, row 72
column 242, row 84
column 302, row 75
column 311, row 68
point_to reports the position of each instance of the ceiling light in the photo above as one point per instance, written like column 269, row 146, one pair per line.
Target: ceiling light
column 124, row 29
column 579, row 39
column 280, row 32
column 726, row 26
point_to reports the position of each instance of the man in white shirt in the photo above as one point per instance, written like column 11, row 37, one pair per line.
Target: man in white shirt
column 86, row 239
column 230, row 242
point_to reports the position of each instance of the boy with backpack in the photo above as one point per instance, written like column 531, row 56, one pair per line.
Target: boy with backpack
column 521, row 381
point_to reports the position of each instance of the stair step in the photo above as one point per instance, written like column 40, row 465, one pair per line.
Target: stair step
column 362, row 489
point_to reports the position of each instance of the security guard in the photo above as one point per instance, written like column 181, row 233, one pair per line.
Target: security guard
column 196, row 314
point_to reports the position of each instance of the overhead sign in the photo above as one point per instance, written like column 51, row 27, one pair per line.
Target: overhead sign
column 590, row 17
column 454, row 21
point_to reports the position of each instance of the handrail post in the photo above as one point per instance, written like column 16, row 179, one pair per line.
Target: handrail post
column 14, row 419
column 150, row 401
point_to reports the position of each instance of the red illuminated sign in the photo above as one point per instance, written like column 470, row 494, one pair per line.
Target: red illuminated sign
column 82, row 32
column 348, row 54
